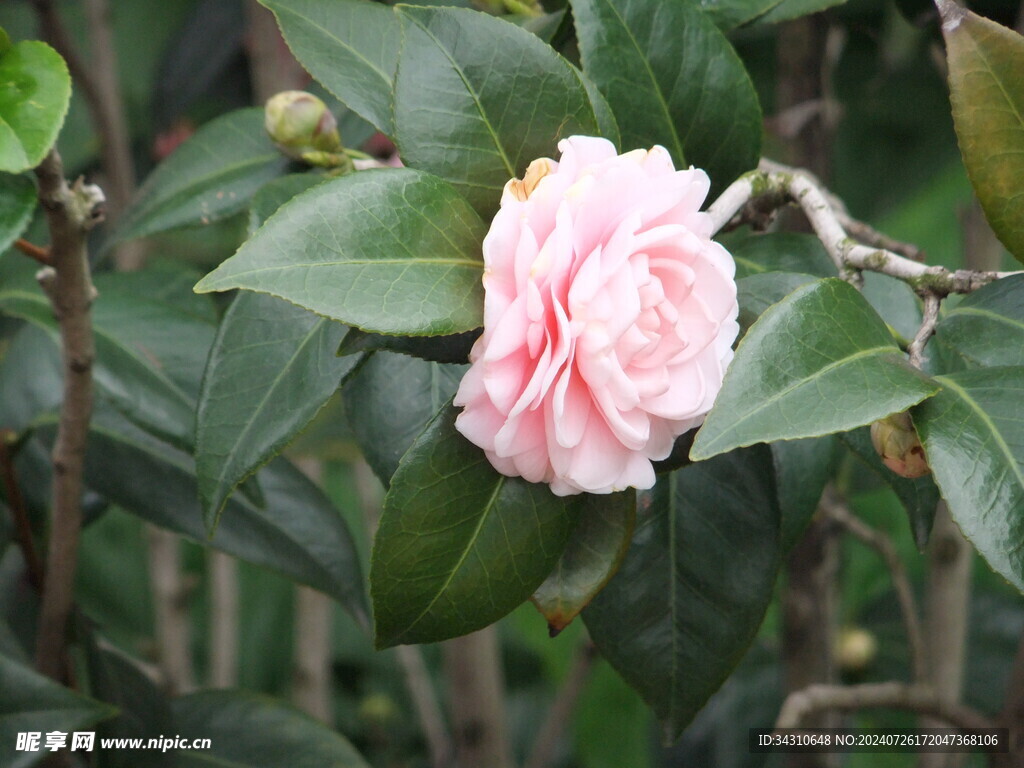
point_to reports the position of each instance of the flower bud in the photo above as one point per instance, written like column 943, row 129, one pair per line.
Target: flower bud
column 300, row 124
column 856, row 649
column 896, row 441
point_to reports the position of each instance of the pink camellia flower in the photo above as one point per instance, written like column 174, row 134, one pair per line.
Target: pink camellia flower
column 609, row 318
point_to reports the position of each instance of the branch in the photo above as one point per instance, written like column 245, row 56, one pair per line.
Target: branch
column 223, row 574
column 928, row 323
column 17, row 506
column 904, row 592
column 758, row 192
column 912, row 698
column 170, row 612
column 543, row 752
column 34, row 252
column 70, row 214
column 424, row 700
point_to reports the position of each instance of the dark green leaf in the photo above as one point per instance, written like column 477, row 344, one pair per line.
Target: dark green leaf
column 594, row 553
column 149, row 354
column 728, row 14
column 987, row 328
column 166, row 282
column 351, row 46
column 298, row 533
column 17, row 202
column 986, row 83
column 894, row 301
column 755, row 293
column 439, row 349
column 819, row 361
column 459, row 545
column 389, row 401
column 35, row 90
column 506, row 95
column 802, row 467
column 247, row 730
column 780, row 252
column 672, row 78
column 688, row 599
column 145, row 714
column 271, row 369
column 919, row 496
column 391, row 250
column 974, row 438
column 31, row 703
column 209, row 177
column 606, row 123
column 276, row 193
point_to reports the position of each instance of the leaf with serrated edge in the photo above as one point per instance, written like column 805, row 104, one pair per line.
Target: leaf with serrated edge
column 209, row 177
column 271, row 369
column 973, row 436
column 672, row 78
column 389, row 250
column 986, row 84
column 459, row 545
column 593, row 555
column 350, row 46
column 691, row 593
column 34, row 98
column 506, row 95
column 987, row 328
column 820, row 361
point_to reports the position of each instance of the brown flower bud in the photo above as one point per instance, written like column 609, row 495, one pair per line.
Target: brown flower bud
column 897, row 442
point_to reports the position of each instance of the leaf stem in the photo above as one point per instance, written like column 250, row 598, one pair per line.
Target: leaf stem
column 17, row 506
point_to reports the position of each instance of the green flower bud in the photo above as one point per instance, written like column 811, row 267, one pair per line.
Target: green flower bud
column 856, row 649
column 300, row 123
column 896, row 441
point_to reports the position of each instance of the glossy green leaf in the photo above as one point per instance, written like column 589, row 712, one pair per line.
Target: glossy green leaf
column 919, row 496
column 17, row 203
column 439, row 349
column 986, row 84
column 779, row 252
column 819, row 361
column 164, row 282
column 389, row 401
column 350, row 46
column 149, row 354
column 695, row 584
column 802, row 468
column 505, row 95
column 672, row 78
column 755, row 293
column 249, row 730
column 607, row 125
column 390, row 250
column 298, row 532
column 276, row 193
column 271, row 369
column 32, row 703
column 974, row 438
column 987, row 328
column 459, row 545
column 209, row 177
column 594, row 553
column 35, row 90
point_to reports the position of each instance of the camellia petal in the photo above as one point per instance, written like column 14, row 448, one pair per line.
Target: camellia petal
column 609, row 319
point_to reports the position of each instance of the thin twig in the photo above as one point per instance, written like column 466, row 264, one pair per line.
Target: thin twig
column 754, row 193
column 901, row 583
column 33, row 251
column 16, row 503
column 170, row 611
column 222, row 570
column 928, row 323
column 543, row 753
column 70, row 214
column 912, row 698
column 424, row 701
